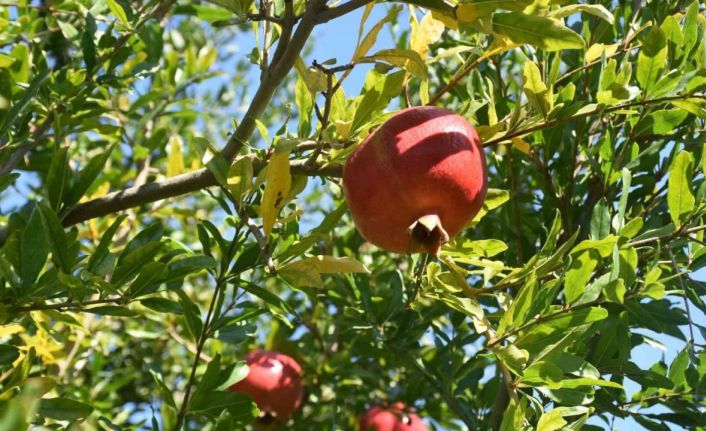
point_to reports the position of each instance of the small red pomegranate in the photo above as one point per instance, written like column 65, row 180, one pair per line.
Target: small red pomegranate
column 274, row 382
column 396, row 417
column 416, row 181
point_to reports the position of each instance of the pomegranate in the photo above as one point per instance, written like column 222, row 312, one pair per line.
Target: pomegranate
column 274, row 382
column 396, row 417
column 416, row 181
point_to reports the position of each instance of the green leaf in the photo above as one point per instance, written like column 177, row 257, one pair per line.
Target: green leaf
column 652, row 59
column 206, row 13
column 592, row 9
column 515, row 359
column 33, row 250
column 378, row 96
column 209, row 381
column 64, row 409
column 88, row 45
column 518, row 312
column 514, row 416
column 604, row 246
column 8, row 354
column 87, row 176
column 536, row 91
column 551, row 421
column 6, row 61
column 479, row 248
column 305, row 104
column 404, row 58
column 118, row 11
column 677, row 369
column 58, row 178
column 150, row 277
column 679, row 196
column 666, row 120
column 615, row 291
column 240, row 406
column 600, row 221
column 691, row 28
column 579, row 274
column 162, row 305
column 472, row 10
column 163, row 389
column 240, row 175
column 180, row 268
column 494, row 198
column 99, row 262
column 191, row 315
column 545, row 33
column 219, row 167
column 17, row 109
column 151, row 233
column 58, row 241
column 130, row 265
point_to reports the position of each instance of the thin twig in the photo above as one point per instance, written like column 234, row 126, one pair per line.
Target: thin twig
column 654, row 398
column 68, row 305
column 667, row 237
column 456, row 79
column 286, row 33
column 678, row 272
column 35, row 139
column 598, row 111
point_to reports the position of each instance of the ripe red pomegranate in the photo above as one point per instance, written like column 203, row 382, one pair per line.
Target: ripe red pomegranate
column 416, row 181
column 274, row 382
column 396, row 417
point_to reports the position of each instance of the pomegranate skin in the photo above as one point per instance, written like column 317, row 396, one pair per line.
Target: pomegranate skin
column 274, row 382
column 423, row 165
column 394, row 418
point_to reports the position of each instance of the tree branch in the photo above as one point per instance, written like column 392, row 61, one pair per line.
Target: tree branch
column 335, row 12
column 598, row 111
column 193, row 181
column 171, row 187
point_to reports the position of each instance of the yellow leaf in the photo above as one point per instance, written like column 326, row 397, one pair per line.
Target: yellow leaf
column 428, row 31
column 372, row 36
column 551, row 421
column 175, row 156
column 343, row 128
column 43, row 344
column 7, row 330
column 240, row 176
column 521, row 145
column 404, row 58
column 314, row 79
column 307, row 271
column 538, row 94
column 424, row 91
column 595, row 51
column 447, row 20
column 277, row 185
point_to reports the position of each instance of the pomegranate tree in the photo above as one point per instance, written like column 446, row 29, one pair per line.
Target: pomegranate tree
column 416, row 181
column 274, row 382
column 396, row 417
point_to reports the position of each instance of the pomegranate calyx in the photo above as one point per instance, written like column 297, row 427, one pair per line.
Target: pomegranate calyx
column 427, row 233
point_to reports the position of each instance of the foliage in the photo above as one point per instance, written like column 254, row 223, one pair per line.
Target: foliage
column 163, row 215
